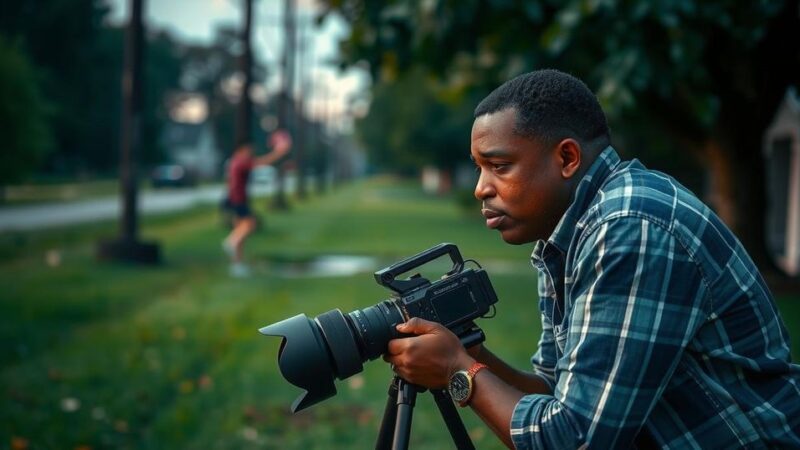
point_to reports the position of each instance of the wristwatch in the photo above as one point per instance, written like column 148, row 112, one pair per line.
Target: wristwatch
column 461, row 384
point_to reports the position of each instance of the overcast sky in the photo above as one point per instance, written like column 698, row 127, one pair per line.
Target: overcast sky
column 197, row 20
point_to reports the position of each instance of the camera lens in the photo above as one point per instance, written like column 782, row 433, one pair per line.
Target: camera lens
column 333, row 345
column 375, row 327
column 341, row 343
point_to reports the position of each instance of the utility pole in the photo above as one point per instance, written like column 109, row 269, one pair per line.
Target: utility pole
column 300, row 153
column 127, row 246
column 317, row 159
column 244, row 113
column 279, row 201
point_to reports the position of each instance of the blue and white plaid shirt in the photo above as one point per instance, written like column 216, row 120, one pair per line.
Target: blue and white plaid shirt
column 658, row 330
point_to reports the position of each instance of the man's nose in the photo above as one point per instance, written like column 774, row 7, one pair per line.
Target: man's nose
column 484, row 188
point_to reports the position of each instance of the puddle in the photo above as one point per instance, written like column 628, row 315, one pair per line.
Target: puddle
column 348, row 265
column 326, row 266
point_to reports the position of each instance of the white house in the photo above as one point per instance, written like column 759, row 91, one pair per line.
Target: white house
column 782, row 153
column 193, row 146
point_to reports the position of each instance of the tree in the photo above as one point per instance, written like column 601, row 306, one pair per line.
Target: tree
column 77, row 58
column 412, row 123
column 244, row 112
column 704, row 77
column 61, row 39
column 23, row 117
column 211, row 70
column 127, row 246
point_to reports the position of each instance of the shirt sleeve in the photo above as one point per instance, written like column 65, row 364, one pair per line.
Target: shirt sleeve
column 637, row 299
column 544, row 361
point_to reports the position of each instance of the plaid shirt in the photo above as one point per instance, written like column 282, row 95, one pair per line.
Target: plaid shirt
column 658, row 330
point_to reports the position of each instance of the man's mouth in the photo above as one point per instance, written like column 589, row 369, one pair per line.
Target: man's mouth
column 493, row 217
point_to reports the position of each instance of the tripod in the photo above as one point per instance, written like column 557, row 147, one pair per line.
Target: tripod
column 396, row 424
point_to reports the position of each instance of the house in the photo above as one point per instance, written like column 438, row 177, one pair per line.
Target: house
column 193, row 146
column 782, row 155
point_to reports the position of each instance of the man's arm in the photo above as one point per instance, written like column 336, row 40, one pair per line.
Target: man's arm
column 526, row 382
column 638, row 300
column 271, row 157
column 429, row 358
column 280, row 143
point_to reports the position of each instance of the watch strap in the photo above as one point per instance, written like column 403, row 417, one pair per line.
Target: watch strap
column 475, row 368
column 471, row 372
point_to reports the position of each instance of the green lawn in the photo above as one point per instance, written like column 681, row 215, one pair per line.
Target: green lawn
column 59, row 191
column 117, row 356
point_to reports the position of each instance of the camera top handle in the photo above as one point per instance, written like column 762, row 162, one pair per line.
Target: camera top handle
column 387, row 276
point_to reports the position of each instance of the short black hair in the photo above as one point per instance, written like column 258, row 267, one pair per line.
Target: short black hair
column 551, row 105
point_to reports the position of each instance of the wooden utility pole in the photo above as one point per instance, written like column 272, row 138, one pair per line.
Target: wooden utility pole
column 285, row 98
column 300, row 128
column 127, row 246
column 244, row 112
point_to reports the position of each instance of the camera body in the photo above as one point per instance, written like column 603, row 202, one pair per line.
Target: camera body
column 454, row 301
column 334, row 345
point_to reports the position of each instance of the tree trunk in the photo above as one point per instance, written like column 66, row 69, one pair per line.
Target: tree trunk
column 736, row 165
column 720, row 195
column 279, row 201
column 127, row 246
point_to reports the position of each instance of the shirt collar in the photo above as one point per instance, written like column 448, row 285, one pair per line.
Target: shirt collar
column 586, row 191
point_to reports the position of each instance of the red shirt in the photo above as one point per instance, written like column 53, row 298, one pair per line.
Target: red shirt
column 238, row 176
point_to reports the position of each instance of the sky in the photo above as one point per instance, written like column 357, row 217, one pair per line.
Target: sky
column 197, row 20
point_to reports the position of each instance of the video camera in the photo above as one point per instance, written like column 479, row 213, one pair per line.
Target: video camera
column 334, row 345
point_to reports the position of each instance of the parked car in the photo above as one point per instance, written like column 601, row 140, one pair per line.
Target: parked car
column 171, row 175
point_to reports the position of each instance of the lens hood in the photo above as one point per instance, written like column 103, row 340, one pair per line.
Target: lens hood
column 303, row 359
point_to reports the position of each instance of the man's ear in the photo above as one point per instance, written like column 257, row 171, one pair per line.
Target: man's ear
column 570, row 157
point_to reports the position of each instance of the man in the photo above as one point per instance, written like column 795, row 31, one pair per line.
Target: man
column 241, row 164
column 657, row 329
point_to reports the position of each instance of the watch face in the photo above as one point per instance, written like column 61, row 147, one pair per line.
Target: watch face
column 460, row 386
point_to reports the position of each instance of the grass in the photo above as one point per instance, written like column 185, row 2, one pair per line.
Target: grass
column 118, row 356
column 59, row 191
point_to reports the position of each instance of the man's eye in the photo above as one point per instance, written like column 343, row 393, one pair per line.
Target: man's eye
column 500, row 166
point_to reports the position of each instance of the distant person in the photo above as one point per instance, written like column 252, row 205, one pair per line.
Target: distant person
column 237, row 201
column 658, row 331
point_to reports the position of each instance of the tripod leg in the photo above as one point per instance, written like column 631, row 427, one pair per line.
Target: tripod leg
column 386, row 432
column 453, row 421
column 406, row 398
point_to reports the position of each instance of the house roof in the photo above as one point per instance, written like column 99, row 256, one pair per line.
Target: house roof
column 792, row 99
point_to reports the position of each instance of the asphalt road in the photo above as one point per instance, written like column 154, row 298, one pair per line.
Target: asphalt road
column 40, row 216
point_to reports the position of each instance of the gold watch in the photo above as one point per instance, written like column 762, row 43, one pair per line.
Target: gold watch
column 461, row 385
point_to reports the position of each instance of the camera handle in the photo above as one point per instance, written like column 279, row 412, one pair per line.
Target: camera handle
column 396, row 423
column 388, row 276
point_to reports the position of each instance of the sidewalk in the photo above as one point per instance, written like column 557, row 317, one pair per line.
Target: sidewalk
column 46, row 215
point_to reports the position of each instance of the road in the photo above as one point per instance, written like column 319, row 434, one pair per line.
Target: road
column 42, row 216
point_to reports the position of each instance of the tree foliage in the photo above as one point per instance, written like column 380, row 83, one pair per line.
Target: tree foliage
column 23, row 116
column 681, row 80
column 64, row 40
column 411, row 123
column 209, row 70
column 75, row 56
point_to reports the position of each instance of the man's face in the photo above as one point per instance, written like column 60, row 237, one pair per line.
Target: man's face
column 521, row 183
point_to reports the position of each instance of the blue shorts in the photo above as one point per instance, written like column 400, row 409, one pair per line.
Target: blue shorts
column 241, row 210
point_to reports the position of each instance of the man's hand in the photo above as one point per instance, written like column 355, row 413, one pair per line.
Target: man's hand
column 429, row 358
column 280, row 141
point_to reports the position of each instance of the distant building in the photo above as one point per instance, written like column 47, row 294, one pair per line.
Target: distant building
column 193, row 146
column 782, row 153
